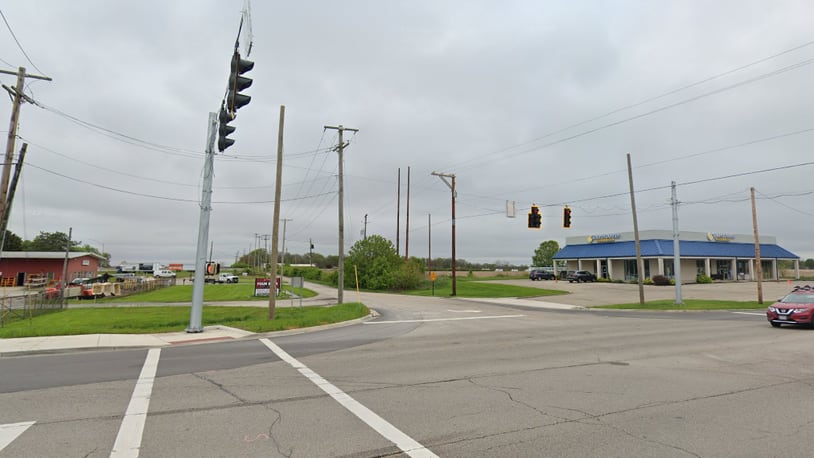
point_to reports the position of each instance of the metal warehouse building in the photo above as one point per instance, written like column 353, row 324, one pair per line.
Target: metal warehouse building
column 720, row 256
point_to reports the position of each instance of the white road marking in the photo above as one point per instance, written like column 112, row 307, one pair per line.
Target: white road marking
column 750, row 313
column 128, row 441
column 404, row 442
column 464, row 311
column 444, row 319
column 12, row 431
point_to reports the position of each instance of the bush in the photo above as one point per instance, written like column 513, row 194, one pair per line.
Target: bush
column 703, row 279
column 660, row 280
column 647, row 281
column 409, row 276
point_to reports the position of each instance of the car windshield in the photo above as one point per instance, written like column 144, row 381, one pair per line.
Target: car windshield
column 798, row 299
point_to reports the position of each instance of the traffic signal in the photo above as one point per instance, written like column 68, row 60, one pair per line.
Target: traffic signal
column 566, row 217
column 210, row 268
column 234, row 99
column 237, row 83
column 535, row 218
column 224, row 129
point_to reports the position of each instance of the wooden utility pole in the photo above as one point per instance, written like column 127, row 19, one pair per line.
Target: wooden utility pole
column 443, row 177
column 340, row 149
column 398, row 213
column 407, row 226
column 758, row 267
column 276, row 222
column 17, row 97
column 639, row 262
column 12, row 188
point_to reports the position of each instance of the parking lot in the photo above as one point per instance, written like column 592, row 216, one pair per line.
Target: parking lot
column 601, row 293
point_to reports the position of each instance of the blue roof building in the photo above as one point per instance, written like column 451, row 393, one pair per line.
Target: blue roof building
column 718, row 255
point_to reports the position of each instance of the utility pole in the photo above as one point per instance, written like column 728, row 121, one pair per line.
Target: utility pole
column 196, row 310
column 429, row 242
column 398, row 213
column 759, row 266
column 283, row 252
column 451, row 186
column 10, row 199
column 276, row 221
column 65, row 269
column 364, row 234
column 639, row 262
column 310, row 252
column 676, row 245
column 17, row 97
column 407, row 226
column 340, row 149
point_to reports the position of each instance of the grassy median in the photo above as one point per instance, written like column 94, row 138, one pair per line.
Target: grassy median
column 155, row 319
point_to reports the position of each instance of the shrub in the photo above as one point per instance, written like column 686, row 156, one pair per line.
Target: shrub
column 647, row 281
column 660, row 280
column 703, row 279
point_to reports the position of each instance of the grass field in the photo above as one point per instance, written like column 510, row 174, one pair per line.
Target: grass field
column 243, row 291
column 155, row 319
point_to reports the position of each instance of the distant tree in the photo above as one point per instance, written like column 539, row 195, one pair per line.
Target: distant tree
column 49, row 241
column 376, row 261
column 91, row 249
column 13, row 242
column 544, row 254
column 809, row 263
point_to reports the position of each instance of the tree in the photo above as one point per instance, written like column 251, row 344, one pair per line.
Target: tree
column 13, row 242
column 376, row 262
column 49, row 241
column 544, row 254
column 809, row 263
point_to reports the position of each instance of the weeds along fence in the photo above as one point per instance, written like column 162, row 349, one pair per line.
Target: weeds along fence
column 26, row 306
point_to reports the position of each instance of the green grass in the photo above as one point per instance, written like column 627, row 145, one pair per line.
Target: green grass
column 212, row 293
column 478, row 289
column 154, row 319
column 689, row 304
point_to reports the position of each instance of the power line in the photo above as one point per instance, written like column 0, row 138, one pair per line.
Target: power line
column 8, row 26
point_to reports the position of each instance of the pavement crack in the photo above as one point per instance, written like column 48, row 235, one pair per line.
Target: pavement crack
column 220, row 387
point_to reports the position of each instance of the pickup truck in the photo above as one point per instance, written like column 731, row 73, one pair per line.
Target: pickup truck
column 223, row 278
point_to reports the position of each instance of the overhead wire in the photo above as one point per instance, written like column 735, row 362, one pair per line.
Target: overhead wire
column 13, row 35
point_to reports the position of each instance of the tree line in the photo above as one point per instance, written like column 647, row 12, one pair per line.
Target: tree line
column 50, row 241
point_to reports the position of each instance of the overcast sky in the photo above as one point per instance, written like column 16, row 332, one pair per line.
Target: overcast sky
column 532, row 102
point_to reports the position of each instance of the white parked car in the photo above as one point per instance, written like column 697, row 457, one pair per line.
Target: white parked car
column 164, row 274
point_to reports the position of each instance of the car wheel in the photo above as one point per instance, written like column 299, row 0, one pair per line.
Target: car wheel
column 774, row 325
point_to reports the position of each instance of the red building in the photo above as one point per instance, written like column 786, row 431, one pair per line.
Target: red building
column 18, row 268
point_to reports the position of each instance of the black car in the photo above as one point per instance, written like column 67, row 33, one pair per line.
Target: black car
column 580, row 276
column 541, row 275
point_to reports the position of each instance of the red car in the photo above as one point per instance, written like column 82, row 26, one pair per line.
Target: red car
column 797, row 307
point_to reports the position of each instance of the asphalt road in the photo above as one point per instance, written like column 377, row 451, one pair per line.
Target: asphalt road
column 446, row 377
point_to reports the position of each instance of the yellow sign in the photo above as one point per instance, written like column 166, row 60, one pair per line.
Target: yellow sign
column 433, row 276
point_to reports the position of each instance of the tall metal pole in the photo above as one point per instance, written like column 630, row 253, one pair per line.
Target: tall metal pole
column 65, row 269
column 759, row 266
column 276, row 221
column 429, row 242
column 676, row 245
column 639, row 262
column 340, row 149
column 196, row 310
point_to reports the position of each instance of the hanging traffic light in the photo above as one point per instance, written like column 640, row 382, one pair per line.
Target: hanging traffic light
column 535, row 218
column 566, row 217
column 224, row 129
column 234, row 99
column 237, row 83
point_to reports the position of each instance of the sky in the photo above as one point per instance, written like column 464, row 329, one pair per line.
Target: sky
column 525, row 102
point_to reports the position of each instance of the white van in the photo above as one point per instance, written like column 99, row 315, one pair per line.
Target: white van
column 164, row 274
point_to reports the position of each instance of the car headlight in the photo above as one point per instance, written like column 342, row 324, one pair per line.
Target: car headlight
column 772, row 309
column 799, row 310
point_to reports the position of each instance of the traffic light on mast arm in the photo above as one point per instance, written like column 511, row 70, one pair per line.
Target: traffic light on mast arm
column 535, row 218
column 234, row 99
column 566, row 217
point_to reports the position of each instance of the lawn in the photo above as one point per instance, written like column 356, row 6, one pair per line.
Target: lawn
column 243, row 291
column 475, row 288
column 156, row 319
column 689, row 304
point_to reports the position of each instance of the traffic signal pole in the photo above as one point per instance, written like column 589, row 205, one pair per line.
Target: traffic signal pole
column 196, row 311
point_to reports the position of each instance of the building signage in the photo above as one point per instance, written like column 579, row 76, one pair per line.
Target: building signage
column 262, row 286
column 719, row 237
column 604, row 238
